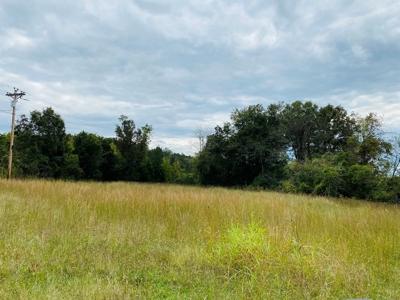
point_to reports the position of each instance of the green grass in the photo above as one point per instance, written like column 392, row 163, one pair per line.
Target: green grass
column 62, row 240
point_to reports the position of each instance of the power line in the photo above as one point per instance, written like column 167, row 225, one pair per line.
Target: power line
column 6, row 84
column 27, row 106
column 71, row 120
column 27, row 93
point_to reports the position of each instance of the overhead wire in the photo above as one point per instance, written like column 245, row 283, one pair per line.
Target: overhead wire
column 6, row 84
column 29, row 94
column 24, row 103
column 6, row 111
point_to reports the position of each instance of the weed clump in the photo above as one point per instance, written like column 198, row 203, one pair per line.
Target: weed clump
column 242, row 248
column 274, row 262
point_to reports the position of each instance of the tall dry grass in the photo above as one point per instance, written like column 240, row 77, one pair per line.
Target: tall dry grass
column 129, row 240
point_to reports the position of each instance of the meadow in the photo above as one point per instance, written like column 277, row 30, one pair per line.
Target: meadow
column 84, row 240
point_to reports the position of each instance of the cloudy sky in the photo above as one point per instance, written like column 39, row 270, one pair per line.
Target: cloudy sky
column 182, row 64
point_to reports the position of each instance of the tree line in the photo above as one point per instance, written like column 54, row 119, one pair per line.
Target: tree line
column 43, row 149
column 303, row 148
column 297, row 148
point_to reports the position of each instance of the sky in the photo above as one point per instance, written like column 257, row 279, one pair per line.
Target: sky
column 181, row 65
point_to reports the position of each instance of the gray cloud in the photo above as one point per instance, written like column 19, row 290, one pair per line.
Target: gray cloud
column 153, row 7
column 190, row 63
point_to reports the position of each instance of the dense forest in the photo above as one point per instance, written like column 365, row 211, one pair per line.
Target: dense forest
column 296, row 148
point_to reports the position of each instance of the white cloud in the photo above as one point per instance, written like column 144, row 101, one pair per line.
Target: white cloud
column 256, row 39
column 385, row 104
column 178, row 145
column 16, row 40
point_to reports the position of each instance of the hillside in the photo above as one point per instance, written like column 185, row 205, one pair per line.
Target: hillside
column 64, row 240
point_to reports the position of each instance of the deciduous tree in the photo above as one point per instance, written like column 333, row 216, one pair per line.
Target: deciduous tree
column 132, row 144
column 40, row 144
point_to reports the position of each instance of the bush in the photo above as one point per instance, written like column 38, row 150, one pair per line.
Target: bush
column 320, row 176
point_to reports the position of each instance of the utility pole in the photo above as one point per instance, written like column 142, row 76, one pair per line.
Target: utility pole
column 15, row 96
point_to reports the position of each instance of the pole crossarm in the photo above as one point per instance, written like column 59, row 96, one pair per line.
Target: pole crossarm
column 15, row 95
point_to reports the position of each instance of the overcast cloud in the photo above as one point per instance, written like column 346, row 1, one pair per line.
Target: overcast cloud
column 181, row 64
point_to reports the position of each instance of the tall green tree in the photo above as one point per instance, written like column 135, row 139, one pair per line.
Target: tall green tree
column 312, row 131
column 367, row 144
column 259, row 142
column 132, row 144
column 356, row 160
column 89, row 149
column 72, row 169
column 40, row 144
column 110, row 157
column 156, row 156
column 299, row 123
column 249, row 147
column 334, row 127
column 216, row 162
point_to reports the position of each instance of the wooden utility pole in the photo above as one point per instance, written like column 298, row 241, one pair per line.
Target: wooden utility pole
column 15, row 97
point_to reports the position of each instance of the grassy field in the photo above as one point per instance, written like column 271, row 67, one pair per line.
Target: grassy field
column 62, row 240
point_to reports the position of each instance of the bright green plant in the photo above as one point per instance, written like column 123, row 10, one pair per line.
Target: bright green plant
column 242, row 248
